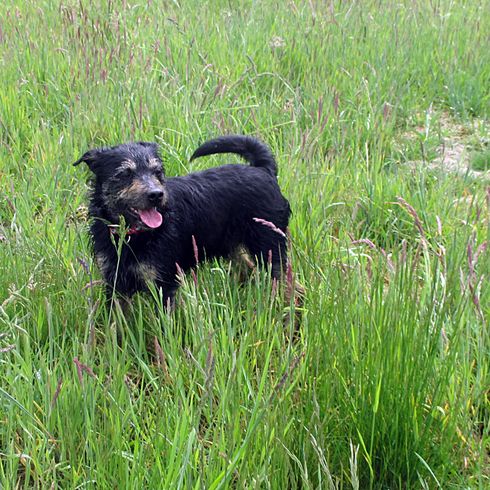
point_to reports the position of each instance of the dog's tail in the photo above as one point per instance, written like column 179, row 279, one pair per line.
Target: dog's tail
column 254, row 151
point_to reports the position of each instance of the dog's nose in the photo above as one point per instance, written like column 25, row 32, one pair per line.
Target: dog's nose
column 155, row 195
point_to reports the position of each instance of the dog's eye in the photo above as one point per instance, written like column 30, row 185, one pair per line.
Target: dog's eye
column 125, row 172
column 159, row 173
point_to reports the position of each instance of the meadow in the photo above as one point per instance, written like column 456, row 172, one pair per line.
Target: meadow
column 386, row 384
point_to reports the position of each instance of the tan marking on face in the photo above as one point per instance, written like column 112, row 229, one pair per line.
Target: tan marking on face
column 135, row 190
column 128, row 164
column 154, row 163
column 156, row 181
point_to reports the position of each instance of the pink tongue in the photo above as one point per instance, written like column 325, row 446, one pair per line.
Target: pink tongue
column 150, row 217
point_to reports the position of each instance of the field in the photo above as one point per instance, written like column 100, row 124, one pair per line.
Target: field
column 378, row 113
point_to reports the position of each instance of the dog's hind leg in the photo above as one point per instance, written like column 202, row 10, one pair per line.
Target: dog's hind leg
column 246, row 265
column 169, row 299
column 269, row 249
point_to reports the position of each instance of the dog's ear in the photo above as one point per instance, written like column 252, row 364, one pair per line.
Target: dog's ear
column 90, row 157
column 153, row 147
column 147, row 144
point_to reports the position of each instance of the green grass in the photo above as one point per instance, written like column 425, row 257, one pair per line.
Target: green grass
column 480, row 161
column 387, row 385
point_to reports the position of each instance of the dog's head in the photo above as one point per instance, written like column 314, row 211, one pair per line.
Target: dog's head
column 131, row 180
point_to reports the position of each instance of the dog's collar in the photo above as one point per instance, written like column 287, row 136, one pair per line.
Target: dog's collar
column 133, row 230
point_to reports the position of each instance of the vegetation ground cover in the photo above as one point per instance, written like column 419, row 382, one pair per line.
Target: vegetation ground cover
column 387, row 383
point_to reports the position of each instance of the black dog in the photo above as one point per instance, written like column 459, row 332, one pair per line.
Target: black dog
column 176, row 222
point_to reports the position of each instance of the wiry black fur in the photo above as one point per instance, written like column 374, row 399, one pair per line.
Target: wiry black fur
column 254, row 151
column 216, row 206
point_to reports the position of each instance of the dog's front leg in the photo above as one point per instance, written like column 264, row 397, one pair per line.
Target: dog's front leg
column 119, row 287
column 168, row 297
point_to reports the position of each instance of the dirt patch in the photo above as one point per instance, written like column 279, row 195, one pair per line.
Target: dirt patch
column 457, row 143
